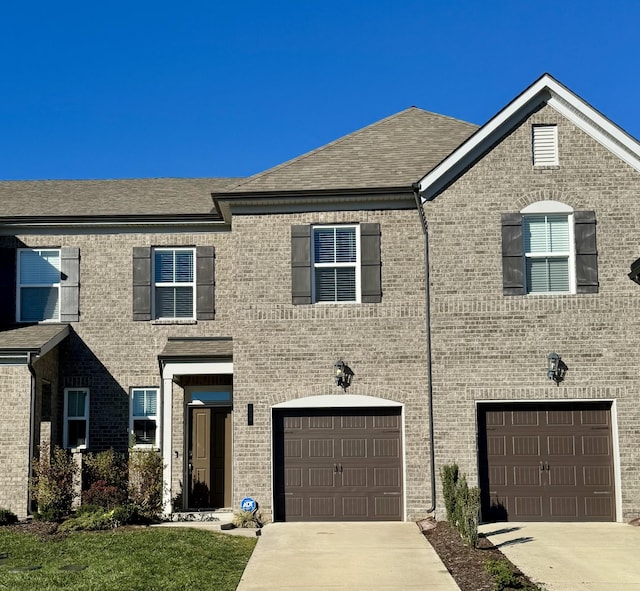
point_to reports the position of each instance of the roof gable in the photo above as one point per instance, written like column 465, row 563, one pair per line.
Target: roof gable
column 546, row 90
column 392, row 152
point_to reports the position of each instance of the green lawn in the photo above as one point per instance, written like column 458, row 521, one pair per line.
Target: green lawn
column 145, row 559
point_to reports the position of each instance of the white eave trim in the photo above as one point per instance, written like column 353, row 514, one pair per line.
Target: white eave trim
column 336, row 401
column 545, row 89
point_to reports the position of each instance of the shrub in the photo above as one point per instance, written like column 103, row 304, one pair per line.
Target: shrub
column 108, row 466
column 145, row 482
column 449, row 476
column 503, row 575
column 104, row 495
column 53, row 483
column 248, row 519
column 7, row 517
column 461, row 503
column 467, row 508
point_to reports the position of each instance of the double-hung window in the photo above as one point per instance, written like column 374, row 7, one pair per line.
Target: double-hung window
column 144, row 416
column 336, row 263
column 38, row 285
column 76, row 418
column 549, row 248
column 174, row 283
column 548, row 253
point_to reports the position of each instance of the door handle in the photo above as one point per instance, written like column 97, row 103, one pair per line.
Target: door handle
column 541, row 466
column 340, row 466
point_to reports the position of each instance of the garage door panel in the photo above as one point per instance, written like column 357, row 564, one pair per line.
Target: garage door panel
column 564, row 506
column 556, row 467
column 561, row 445
column 595, row 445
column 321, row 448
column 354, row 448
column 349, row 466
column 526, row 476
column 528, row 507
column 525, row 445
column 562, row 476
column 597, row 475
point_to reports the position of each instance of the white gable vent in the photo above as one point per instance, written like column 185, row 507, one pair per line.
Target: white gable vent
column 545, row 145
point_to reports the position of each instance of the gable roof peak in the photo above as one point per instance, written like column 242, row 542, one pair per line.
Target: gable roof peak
column 545, row 90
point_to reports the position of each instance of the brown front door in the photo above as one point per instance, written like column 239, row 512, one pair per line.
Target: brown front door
column 338, row 465
column 546, row 462
column 207, row 457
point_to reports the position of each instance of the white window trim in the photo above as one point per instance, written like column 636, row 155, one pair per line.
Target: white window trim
column 555, row 207
column 191, row 284
column 19, row 285
column 85, row 417
column 356, row 264
column 156, row 418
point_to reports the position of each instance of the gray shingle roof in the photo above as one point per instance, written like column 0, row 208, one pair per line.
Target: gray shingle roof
column 201, row 347
column 34, row 337
column 394, row 152
column 109, row 197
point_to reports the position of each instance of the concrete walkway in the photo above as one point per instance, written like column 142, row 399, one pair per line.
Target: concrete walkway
column 572, row 556
column 354, row 556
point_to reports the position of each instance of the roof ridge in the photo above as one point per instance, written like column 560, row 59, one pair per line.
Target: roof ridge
column 331, row 144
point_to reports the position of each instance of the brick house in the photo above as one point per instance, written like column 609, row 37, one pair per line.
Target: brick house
column 205, row 318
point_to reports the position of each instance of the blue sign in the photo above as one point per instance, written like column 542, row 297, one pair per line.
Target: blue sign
column 248, row 504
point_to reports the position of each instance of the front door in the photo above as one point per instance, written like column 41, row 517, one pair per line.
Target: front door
column 207, row 454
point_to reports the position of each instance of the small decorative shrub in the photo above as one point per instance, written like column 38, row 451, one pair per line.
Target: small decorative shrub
column 104, row 495
column 248, row 519
column 7, row 517
column 503, row 575
column 466, row 511
column 109, row 468
column 52, row 483
column 449, row 476
column 462, row 503
column 145, row 482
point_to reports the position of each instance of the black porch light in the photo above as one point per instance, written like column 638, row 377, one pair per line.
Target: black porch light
column 556, row 368
column 635, row 271
column 343, row 374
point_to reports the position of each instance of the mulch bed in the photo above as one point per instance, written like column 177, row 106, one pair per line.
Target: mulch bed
column 467, row 565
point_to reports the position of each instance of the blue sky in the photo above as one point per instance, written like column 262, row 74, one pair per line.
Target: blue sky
column 208, row 88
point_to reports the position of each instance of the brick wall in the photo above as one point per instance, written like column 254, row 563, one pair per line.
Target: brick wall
column 283, row 352
column 487, row 346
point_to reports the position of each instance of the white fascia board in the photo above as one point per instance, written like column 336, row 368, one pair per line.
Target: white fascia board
column 337, row 401
column 545, row 89
column 188, row 369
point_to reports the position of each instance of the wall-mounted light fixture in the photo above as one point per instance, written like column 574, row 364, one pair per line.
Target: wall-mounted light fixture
column 635, row 271
column 556, row 368
column 343, row 374
column 250, row 414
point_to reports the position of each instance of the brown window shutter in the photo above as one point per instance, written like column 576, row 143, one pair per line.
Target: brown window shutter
column 205, row 282
column 301, row 264
column 8, row 289
column 586, row 252
column 370, row 264
column 69, row 284
column 513, row 282
column 141, row 283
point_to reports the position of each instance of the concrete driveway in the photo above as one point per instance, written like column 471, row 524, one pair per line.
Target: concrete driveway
column 572, row 556
column 354, row 556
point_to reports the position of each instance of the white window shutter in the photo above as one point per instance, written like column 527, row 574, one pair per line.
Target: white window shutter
column 545, row 145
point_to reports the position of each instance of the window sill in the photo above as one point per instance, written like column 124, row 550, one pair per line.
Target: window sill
column 142, row 447
column 174, row 321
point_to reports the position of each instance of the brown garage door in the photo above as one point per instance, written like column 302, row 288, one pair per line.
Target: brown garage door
column 338, row 465
column 546, row 462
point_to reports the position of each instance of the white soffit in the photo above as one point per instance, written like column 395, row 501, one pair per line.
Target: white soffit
column 545, row 89
column 336, row 401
